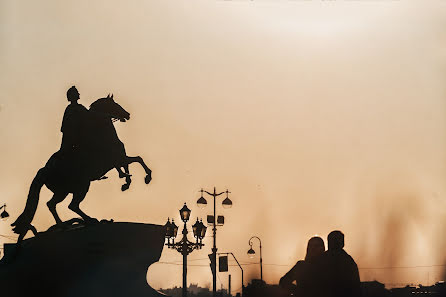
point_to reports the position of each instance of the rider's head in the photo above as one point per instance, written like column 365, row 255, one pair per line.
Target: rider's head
column 72, row 94
column 335, row 240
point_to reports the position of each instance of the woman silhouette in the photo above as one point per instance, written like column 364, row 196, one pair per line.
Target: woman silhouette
column 305, row 271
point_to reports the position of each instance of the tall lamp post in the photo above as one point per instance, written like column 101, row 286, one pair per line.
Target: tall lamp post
column 184, row 246
column 227, row 203
column 251, row 254
column 4, row 215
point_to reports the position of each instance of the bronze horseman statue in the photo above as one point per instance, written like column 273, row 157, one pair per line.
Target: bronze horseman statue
column 90, row 148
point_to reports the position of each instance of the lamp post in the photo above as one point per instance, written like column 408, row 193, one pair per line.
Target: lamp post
column 4, row 215
column 251, row 254
column 184, row 246
column 227, row 203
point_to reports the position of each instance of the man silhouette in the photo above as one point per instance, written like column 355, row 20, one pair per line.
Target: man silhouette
column 73, row 123
column 339, row 272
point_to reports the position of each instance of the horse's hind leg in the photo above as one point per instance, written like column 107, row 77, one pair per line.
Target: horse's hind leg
column 78, row 196
column 57, row 198
column 138, row 159
column 128, row 180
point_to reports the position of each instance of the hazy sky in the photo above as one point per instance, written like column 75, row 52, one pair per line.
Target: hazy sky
column 316, row 115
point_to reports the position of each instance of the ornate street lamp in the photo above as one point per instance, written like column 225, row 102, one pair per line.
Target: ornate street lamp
column 203, row 229
column 185, row 213
column 214, row 220
column 184, row 246
column 4, row 215
column 199, row 230
column 251, row 254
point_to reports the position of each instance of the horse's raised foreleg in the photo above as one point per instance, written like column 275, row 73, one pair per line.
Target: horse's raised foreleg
column 138, row 159
column 121, row 173
column 57, row 198
column 128, row 180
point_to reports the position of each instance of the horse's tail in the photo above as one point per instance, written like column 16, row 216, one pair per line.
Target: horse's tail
column 23, row 222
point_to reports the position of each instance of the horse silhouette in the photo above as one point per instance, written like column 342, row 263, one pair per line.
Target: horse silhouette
column 72, row 172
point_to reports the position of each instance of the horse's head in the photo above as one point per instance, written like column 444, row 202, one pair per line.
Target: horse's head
column 109, row 107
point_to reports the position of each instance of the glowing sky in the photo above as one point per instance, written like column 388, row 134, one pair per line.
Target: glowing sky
column 316, row 115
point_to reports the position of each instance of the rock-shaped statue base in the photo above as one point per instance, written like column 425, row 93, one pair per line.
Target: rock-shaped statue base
column 102, row 259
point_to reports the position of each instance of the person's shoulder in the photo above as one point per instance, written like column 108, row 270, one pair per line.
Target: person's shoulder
column 348, row 258
column 81, row 107
column 323, row 258
column 299, row 264
column 345, row 254
column 326, row 254
column 69, row 109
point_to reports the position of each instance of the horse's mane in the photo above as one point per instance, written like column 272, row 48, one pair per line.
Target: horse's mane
column 95, row 103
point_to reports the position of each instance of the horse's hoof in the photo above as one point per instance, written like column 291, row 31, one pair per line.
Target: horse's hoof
column 123, row 174
column 147, row 179
column 91, row 221
column 125, row 187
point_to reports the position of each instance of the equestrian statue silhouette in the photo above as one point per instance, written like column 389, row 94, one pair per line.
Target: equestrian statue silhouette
column 74, row 167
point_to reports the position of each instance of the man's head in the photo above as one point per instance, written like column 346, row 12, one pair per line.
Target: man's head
column 72, row 94
column 335, row 240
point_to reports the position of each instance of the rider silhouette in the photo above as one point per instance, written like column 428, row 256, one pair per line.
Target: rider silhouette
column 72, row 124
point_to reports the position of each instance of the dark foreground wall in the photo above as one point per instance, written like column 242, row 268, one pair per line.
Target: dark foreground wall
column 105, row 259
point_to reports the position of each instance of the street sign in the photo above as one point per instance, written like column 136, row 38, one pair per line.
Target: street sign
column 223, row 263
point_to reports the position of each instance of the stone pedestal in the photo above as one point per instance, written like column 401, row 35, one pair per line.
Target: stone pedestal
column 104, row 259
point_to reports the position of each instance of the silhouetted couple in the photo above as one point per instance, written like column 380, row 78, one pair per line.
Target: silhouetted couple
column 331, row 273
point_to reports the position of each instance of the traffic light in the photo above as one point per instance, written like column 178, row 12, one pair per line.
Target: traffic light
column 212, row 261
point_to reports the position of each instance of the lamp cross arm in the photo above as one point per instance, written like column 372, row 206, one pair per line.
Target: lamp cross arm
column 186, row 248
column 212, row 194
